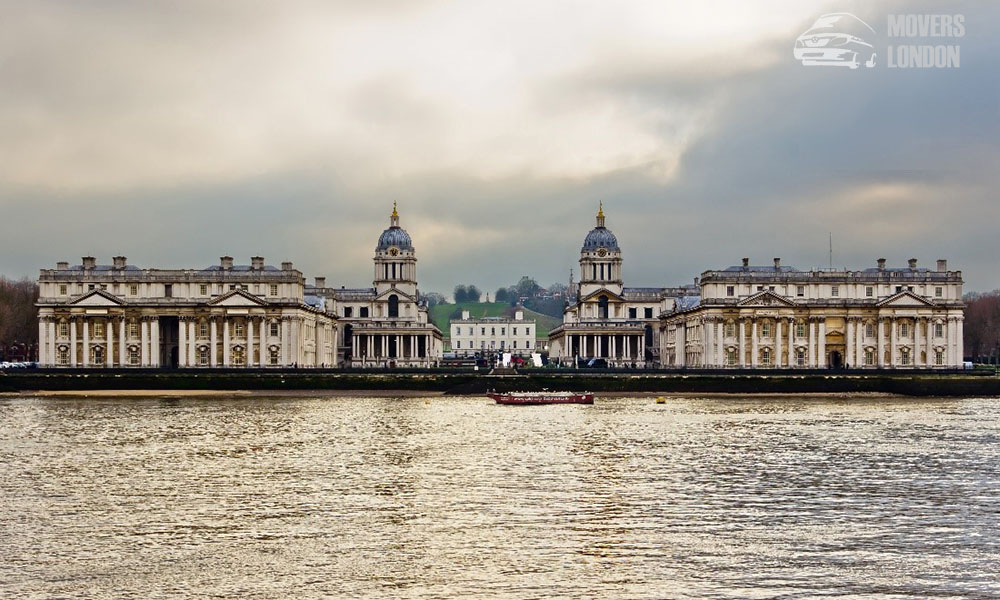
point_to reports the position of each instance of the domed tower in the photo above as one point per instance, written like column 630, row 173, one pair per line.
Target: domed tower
column 600, row 260
column 395, row 259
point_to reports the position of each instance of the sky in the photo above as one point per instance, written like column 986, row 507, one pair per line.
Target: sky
column 175, row 133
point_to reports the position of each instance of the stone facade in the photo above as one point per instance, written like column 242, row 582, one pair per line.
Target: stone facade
column 471, row 336
column 781, row 317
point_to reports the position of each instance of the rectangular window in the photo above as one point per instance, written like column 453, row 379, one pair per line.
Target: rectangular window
column 232, row 287
column 527, row 344
column 835, row 291
column 133, row 329
column 63, row 329
column 99, row 329
column 938, row 357
column 648, row 313
column 238, row 329
column 869, row 357
column 765, row 329
column 470, row 331
column 482, row 331
column 939, row 330
column 800, row 329
column 514, row 331
column 869, row 330
column 730, row 329
column 203, row 329
column 90, row 287
column 899, row 288
column 274, row 331
column 770, row 287
column 63, row 289
column 904, row 330
column 800, row 358
column 760, row 288
column 631, row 313
column 363, row 312
column 800, row 290
column 515, row 343
column 348, row 311
column 730, row 290
column 458, row 343
column 869, row 291
column 133, row 356
column 203, row 289
column 168, row 290
column 938, row 292
column 273, row 289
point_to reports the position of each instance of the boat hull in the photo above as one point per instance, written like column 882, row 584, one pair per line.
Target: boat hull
column 535, row 399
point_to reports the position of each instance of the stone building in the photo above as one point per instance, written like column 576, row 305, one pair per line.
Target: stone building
column 227, row 315
column 471, row 336
column 386, row 325
column 605, row 319
column 777, row 316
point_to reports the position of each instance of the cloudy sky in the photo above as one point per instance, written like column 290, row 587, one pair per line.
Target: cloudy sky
column 177, row 132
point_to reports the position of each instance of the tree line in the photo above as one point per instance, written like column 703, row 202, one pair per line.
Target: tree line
column 18, row 317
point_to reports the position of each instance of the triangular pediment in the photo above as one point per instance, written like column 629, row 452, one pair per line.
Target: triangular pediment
column 765, row 298
column 98, row 298
column 402, row 295
column 905, row 298
column 237, row 298
column 612, row 297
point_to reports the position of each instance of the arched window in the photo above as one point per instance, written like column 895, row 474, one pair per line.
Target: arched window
column 602, row 307
column 869, row 356
column 393, row 306
column 904, row 356
column 800, row 357
column 239, row 356
column 731, row 357
column 765, row 357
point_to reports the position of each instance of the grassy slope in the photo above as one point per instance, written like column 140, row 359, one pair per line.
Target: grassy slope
column 441, row 314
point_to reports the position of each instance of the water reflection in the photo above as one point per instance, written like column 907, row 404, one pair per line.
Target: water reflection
column 263, row 497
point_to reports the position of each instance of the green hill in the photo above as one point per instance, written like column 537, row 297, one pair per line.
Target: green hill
column 443, row 313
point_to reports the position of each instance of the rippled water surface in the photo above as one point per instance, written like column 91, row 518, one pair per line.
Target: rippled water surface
column 305, row 497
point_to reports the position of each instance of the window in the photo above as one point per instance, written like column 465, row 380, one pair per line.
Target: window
column 938, row 357
column 800, row 291
column 272, row 357
column 760, row 288
column 133, row 328
column 869, row 291
column 133, row 355
column 363, row 312
column 348, row 311
column 458, row 343
column 904, row 356
column 90, row 287
column 203, row 357
column 938, row 292
column 232, row 287
column 869, row 357
column 470, row 330
column 835, row 290
column 631, row 313
column 730, row 290
column 800, row 329
column 731, row 357
column 904, row 329
column 939, row 330
column 203, row 328
column 515, row 343
column 527, row 344
column 168, row 290
column 730, row 329
column 99, row 329
column 648, row 313
column 63, row 329
column 765, row 329
column 63, row 357
column 239, row 329
column 765, row 357
column 514, row 331
column 394, row 306
column 493, row 330
column 800, row 357
column 239, row 357
column 203, row 289
column 63, row 289
column 869, row 329
column 274, row 330
column 482, row 331
column 503, row 331
column 272, row 290
column 899, row 288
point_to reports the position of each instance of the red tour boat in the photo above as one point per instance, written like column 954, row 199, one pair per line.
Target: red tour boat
column 535, row 398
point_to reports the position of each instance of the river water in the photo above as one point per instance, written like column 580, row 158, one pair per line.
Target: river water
column 326, row 496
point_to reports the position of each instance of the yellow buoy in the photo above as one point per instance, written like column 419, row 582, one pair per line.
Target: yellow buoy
column 661, row 400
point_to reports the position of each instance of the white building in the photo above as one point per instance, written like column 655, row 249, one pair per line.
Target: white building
column 605, row 319
column 386, row 325
column 227, row 315
column 471, row 336
column 780, row 317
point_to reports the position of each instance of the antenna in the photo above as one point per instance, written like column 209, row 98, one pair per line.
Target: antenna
column 831, row 250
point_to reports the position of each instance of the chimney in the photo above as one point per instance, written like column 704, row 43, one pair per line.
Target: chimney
column 696, row 280
column 120, row 262
column 881, row 264
column 913, row 264
column 942, row 265
column 226, row 262
column 465, row 315
column 62, row 266
column 519, row 315
column 321, row 282
column 286, row 266
column 89, row 262
column 257, row 263
column 777, row 264
column 746, row 262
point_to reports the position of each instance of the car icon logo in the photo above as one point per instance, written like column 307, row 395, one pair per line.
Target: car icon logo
column 837, row 40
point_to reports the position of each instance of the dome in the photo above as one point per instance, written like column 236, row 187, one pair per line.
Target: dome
column 600, row 237
column 394, row 236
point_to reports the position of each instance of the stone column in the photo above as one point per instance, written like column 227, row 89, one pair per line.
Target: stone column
column 822, row 342
column 213, row 339
column 720, row 350
column 916, row 344
column 680, row 345
column 109, row 355
column 811, row 352
column 283, row 353
column 249, row 346
column 849, row 327
column 893, row 341
column 51, row 337
column 262, row 352
column 859, row 339
column 754, row 343
column 122, row 331
column 959, row 341
column 86, row 342
column 791, row 342
column 182, row 342
column 293, row 343
column 154, row 336
column 741, row 340
column 72, row 342
column 192, row 349
column 226, row 342
column 777, row 342
column 43, row 343
column 880, row 344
